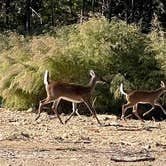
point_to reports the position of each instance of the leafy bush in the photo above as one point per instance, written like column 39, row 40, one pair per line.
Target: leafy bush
column 115, row 50
column 158, row 44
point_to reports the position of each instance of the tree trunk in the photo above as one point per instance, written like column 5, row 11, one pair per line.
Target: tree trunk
column 82, row 11
column 28, row 17
column 7, row 7
column 53, row 12
column 93, row 6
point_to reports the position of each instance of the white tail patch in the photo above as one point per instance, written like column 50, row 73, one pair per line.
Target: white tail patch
column 92, row 73
column 121, row 90
column 162, row 84
column 46, row 75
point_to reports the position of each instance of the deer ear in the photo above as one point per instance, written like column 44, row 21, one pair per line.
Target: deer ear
column 92, row 73
column 162, row 84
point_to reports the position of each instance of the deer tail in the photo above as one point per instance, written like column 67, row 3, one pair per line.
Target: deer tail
column 46, row 78
column 121, row 89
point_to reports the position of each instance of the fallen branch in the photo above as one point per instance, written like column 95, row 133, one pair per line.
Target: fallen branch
column 130, row 129
column 132, row 159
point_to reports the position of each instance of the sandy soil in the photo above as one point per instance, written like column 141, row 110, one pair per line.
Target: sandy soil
column 81, row 142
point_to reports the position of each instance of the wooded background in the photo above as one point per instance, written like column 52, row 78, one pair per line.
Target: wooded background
column 33, row 16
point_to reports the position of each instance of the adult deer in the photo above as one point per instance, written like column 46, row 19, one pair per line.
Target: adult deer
column 143, row 97
column 56, row 91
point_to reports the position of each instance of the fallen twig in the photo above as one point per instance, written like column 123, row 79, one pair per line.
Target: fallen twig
column 132, row 159
column 129, row 129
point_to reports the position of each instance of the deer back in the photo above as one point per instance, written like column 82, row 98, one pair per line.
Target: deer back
column 144, row 96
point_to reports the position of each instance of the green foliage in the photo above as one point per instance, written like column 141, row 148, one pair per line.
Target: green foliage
column 37, row 16
column 115, row 50
column 158, row 45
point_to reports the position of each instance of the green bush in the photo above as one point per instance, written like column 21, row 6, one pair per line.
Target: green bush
column 158, row 45
column 115, row 50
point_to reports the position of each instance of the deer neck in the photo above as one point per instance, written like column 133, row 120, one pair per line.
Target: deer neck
column 92, row 84
column 159, row 91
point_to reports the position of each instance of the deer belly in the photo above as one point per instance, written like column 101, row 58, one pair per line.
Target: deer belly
column 75, row 100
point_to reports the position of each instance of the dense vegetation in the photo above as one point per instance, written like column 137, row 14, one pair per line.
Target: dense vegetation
column 36, row 16
column 116, row 50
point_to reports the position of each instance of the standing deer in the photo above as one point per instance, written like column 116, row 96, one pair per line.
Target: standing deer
column 143, row 97
column 56, row 91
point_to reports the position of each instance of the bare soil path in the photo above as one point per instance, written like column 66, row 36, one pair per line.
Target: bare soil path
column 81, row 142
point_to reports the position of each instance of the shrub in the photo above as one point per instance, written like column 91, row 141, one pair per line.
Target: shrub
column 158, row 44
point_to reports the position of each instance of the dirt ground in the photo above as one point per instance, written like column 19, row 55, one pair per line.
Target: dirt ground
column 81, row 142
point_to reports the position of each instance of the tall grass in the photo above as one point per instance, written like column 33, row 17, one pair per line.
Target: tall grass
column 115, row 50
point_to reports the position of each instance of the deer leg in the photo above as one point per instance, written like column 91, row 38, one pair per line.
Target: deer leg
column 54, row 108
column 149, row 110
column 156, row 103
column 77, row 112
column 74, row 107
column 93, row 103
column 125, row 107
column 123, row 112
column 92, row 110
column 41, row 103
column 136, row 113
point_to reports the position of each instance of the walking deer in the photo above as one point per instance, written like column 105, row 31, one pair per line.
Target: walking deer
column 143, row 97
column 56, row 91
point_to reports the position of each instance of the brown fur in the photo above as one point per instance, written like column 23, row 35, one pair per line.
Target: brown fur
column 135, row 97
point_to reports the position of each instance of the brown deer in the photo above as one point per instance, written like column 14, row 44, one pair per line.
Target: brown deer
column 56, row 91
column 143, row 97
